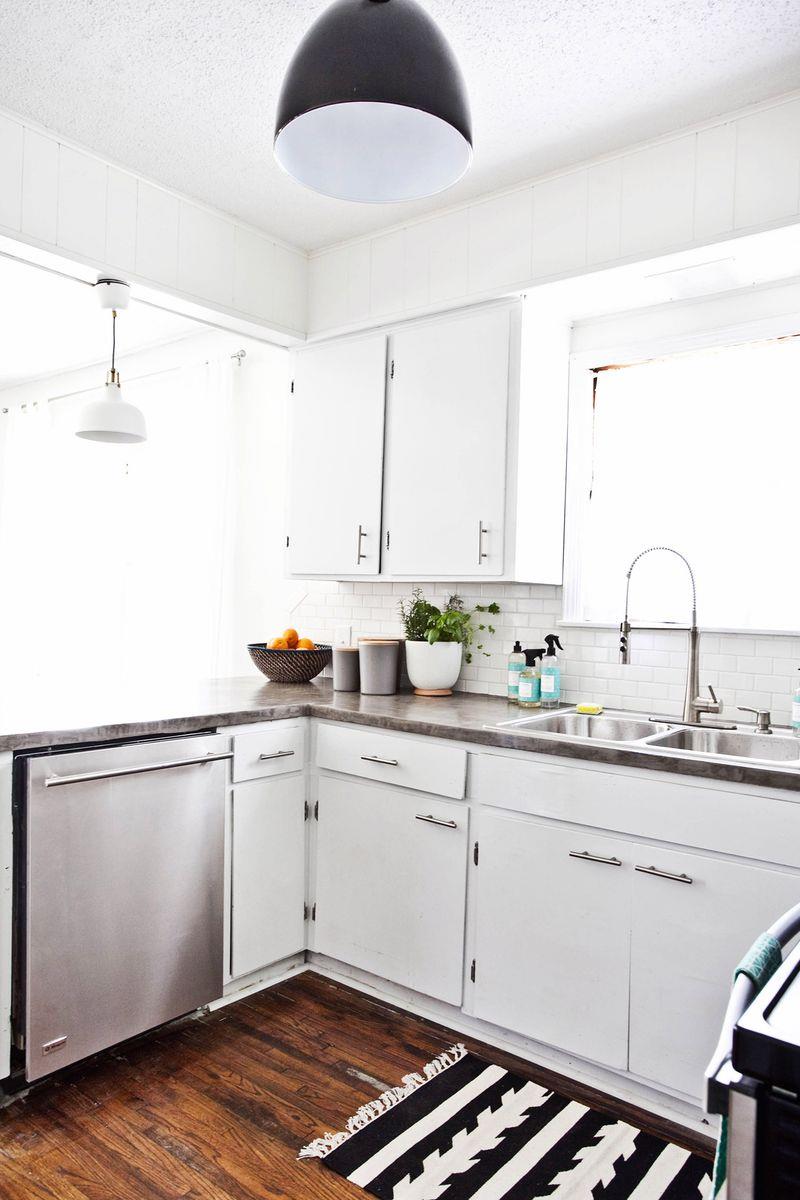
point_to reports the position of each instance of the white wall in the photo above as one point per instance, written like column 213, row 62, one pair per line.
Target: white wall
column 58, row 196
column 736, row 175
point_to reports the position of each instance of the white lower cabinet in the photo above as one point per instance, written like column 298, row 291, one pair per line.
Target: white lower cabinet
column 686, row 939
column 267, row 872
column 391, row 885
column 552, row 935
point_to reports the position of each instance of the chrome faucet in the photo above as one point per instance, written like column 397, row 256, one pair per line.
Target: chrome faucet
column 694, row 705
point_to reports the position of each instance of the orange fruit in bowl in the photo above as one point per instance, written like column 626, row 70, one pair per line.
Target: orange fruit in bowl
column 278, row 643
column 305, row 644
column 290, row 637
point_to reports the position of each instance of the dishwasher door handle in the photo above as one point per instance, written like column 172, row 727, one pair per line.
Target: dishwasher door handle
column 118, row 772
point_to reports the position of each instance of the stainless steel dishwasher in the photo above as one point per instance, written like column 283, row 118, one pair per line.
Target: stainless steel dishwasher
column 121, row 903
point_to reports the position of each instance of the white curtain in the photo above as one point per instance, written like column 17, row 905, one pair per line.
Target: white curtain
column 117, row 559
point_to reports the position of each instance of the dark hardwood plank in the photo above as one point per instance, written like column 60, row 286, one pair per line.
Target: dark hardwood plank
column 216, row 1108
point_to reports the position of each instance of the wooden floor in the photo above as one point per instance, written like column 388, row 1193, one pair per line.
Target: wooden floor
column 217, row 1108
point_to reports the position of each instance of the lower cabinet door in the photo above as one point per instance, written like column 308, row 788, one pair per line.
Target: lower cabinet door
column 267, row 872
column 552, row 935
column 391, row 885
column 687, row 938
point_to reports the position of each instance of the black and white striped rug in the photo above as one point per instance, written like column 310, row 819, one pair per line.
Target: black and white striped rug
column 467, row 1130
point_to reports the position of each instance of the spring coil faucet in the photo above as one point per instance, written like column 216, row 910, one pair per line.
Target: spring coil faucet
column 693, row 704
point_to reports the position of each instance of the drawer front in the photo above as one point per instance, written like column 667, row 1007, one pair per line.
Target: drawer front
column 421, row 764
column 270, row 750
column 654, row 807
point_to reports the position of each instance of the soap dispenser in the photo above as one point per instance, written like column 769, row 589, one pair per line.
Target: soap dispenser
column 551, row 673
column 516, row 664
column 530, row 680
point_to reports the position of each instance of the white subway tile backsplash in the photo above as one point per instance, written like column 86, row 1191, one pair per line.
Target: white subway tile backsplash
column 745, row 669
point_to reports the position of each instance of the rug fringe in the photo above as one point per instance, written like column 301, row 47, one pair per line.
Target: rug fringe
column 322, row 1146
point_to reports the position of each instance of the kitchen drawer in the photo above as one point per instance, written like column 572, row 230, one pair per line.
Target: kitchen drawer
column 418, row 763
column 274, row 749
column 648, row 805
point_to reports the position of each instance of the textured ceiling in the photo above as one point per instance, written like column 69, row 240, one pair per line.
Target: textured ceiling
column 184, row 91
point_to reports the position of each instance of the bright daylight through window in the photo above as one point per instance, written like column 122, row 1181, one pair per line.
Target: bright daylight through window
column 698, row 451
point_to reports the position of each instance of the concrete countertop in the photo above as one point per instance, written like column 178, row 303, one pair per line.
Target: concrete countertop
column 219, row 702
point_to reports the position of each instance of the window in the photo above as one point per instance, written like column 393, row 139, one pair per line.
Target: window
column 699, row 451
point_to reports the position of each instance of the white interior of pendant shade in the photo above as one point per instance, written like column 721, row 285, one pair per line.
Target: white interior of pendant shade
column 371, row 152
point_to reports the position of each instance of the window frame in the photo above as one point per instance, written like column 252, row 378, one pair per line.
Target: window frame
column 630, row 343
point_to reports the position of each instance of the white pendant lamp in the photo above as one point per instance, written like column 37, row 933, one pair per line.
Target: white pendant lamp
column 373, row 107
column 110, row 418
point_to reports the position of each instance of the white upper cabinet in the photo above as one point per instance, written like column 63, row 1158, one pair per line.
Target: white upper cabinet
column 335, row 464
column 446, row 447
column 472, row 466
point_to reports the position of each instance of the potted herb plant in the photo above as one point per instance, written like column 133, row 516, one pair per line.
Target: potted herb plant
column 437, row 640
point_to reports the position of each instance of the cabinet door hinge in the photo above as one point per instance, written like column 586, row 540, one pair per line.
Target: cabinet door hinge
column 316, row 811
column 305, row 912
column 306, row 811
column 472, row 971
column 391, row 370
column 313, row 912
column 475, row 854
column 388, row 538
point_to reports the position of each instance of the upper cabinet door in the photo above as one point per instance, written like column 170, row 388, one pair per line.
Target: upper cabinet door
column 334, row 478
column 446, row 447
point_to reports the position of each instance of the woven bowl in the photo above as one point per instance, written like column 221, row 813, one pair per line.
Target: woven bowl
column 290, row 666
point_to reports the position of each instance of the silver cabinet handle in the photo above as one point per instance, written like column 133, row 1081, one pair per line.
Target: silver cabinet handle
column 90, row 776
column 432, row 820
column 481, row 552
column 276, row 754
column 598, row 858
column 664, row 874
column 386, row 762
column 360, row 554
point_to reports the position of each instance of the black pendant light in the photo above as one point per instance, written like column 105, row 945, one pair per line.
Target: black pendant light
column 373, row 106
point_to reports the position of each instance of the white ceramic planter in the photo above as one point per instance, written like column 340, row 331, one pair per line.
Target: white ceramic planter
column 433, row 669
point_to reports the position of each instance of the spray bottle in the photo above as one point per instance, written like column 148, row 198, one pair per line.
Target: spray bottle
column 551, row 673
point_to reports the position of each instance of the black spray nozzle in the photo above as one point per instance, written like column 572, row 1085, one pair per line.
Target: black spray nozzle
column 532, row 655
column 552, row 641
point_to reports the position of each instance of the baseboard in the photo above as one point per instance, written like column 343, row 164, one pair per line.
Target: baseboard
column 624, row 1088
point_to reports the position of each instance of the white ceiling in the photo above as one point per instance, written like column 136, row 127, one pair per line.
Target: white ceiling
column 51, row 324
column 184, row 91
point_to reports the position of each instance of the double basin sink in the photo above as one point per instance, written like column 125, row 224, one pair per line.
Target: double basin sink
column 686, row 740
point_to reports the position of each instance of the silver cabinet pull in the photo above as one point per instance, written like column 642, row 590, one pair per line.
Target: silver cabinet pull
column 386, row 762
column 360, row 554
column 664, row 874
column 90, row 776
column 481, row 552
column 276, row 754
column 432, row 820
column 598, row 858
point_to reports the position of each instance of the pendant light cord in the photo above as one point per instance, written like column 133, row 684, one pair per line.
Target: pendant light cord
column 113, row 338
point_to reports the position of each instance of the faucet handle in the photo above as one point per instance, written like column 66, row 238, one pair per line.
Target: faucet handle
column 713, row 705
column 763, row 718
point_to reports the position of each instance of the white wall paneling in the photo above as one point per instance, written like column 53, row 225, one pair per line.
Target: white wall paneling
column 768, row 165
column 40, row 187
column 500, row 241
column 121, row 205
column 81, row 203
column 205, row 254
column 57, row 197
column 11, row 153
column 741, row 172
column 559, row 225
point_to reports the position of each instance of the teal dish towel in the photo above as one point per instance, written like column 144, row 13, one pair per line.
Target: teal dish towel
column 759, row 964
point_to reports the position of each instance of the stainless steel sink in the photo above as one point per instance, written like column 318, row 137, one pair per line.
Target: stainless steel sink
column 733, row 744
column 606, row 727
